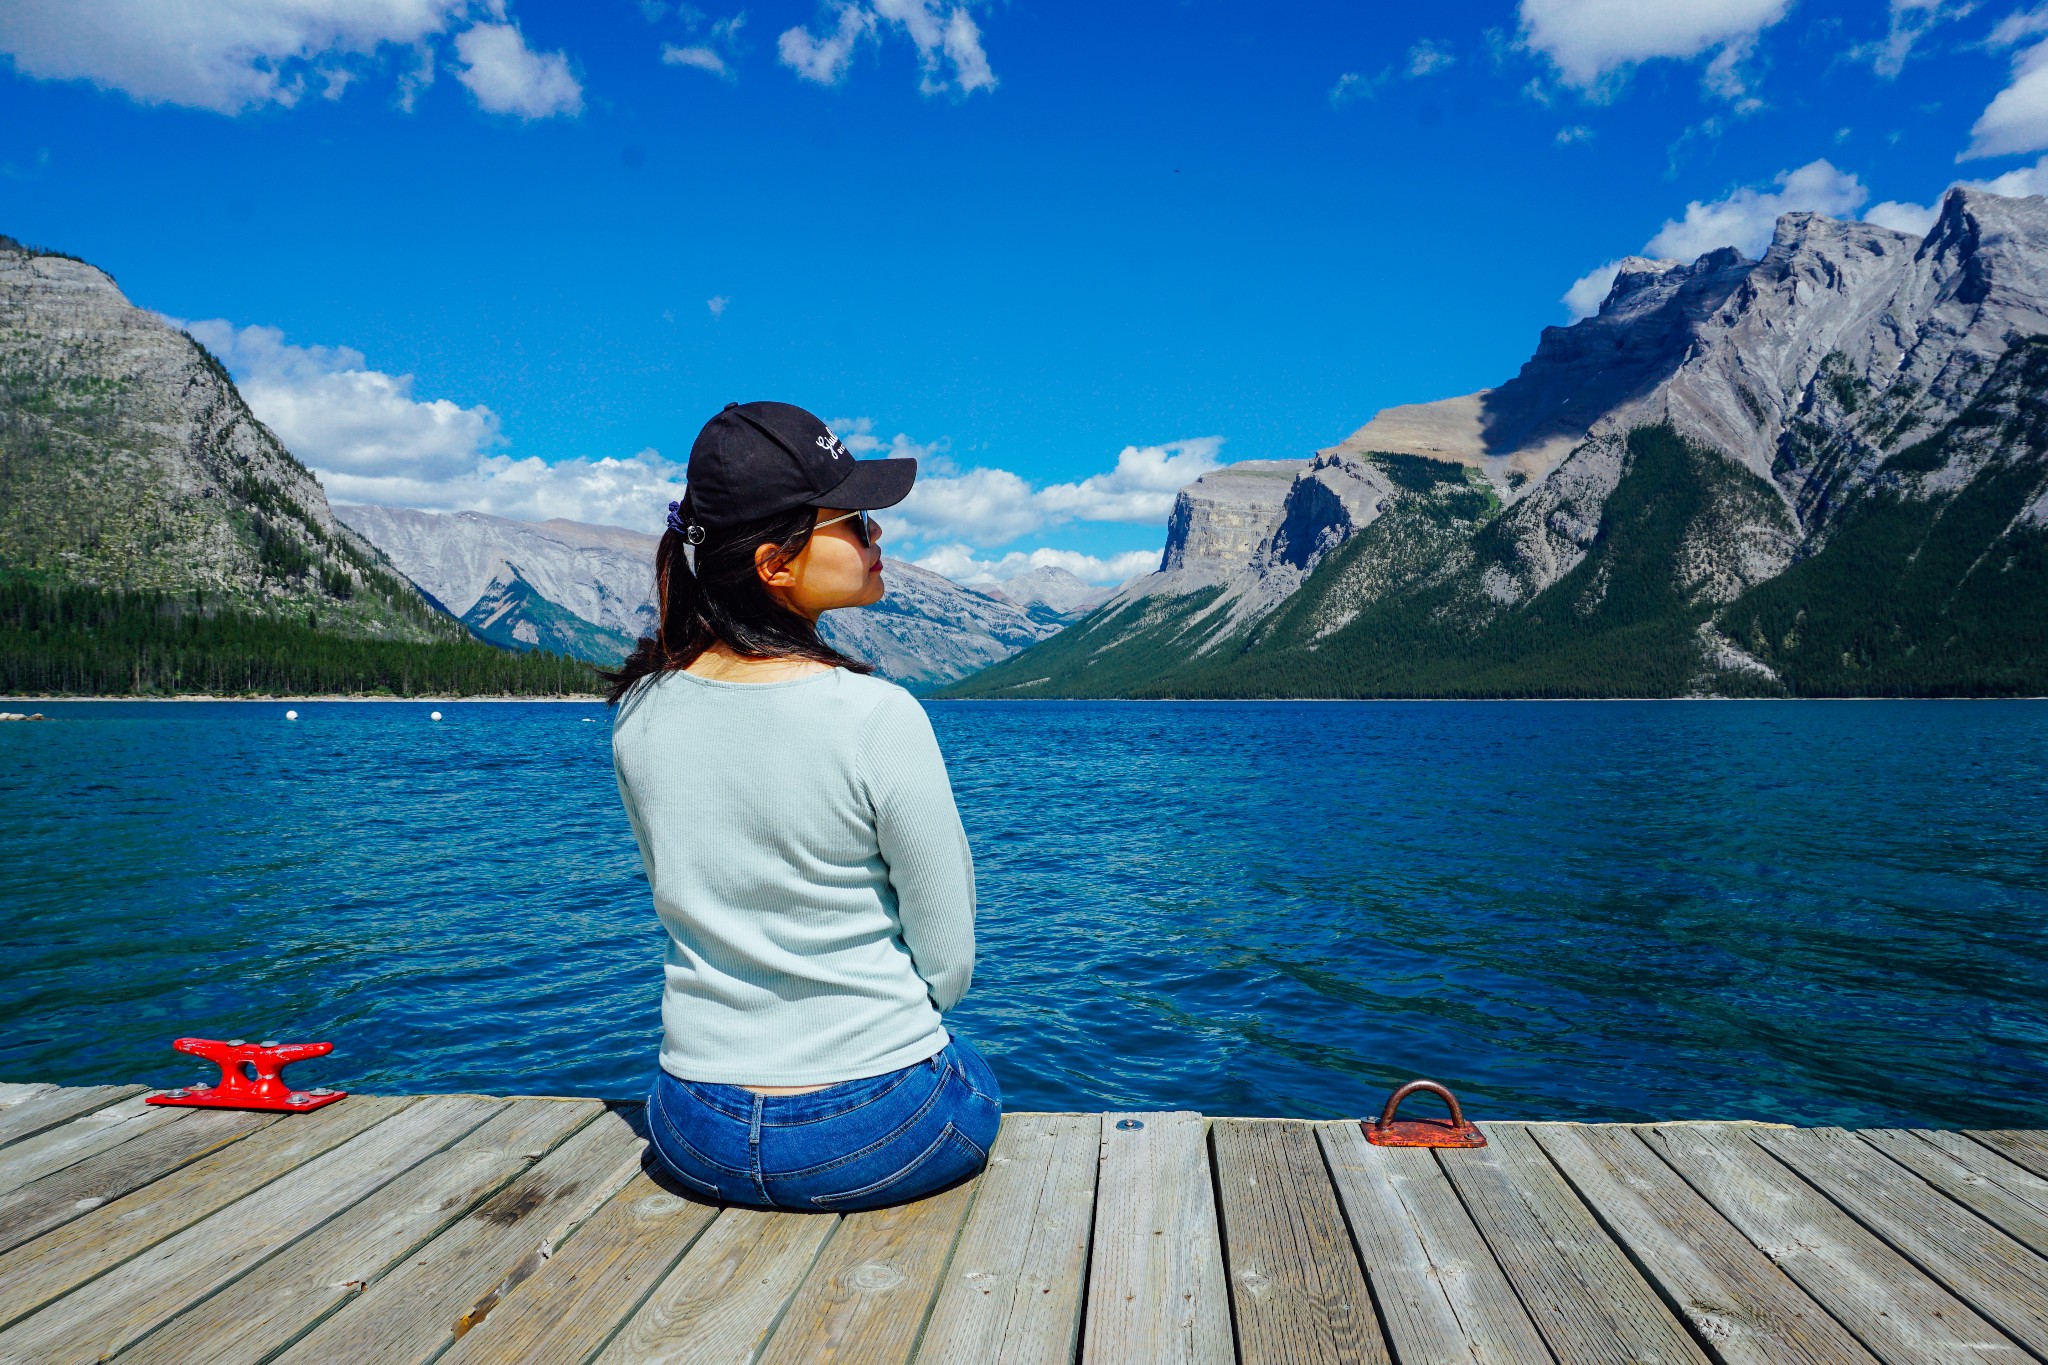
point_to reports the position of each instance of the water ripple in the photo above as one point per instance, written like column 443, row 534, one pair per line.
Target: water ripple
column 1826, row 913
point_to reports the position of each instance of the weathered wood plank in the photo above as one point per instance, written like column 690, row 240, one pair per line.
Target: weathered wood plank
column 867, row 1298
column 1977, row 1178
column 413, row 1311
column 2022, row 1148
column 80, row 1188
column 59, row 1104
column 572, row 1305
column 1012, row 1294
column 14, row 1092
column 1746, row 1309
column 1440, row 1293
column 112, row 1314
column 1580, row 1289
column 277, row 1301
column 1997, row 1276
column 1156, row 1287
column 87, row 1135
column 58, row 1261
column 1894, row 1310
column 1295, row 1282
column 723, row 1299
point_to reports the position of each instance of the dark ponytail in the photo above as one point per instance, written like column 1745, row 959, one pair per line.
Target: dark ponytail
column 724, row 601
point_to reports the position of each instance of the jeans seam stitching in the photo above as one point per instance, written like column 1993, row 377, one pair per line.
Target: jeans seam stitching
column 898, row 1131
column 690, row 1146
column 754, row 1148
column 697, row 1094
column 972, row 1089
column 915, row 1163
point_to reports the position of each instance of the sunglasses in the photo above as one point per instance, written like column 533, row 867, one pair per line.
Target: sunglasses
column 863, row 530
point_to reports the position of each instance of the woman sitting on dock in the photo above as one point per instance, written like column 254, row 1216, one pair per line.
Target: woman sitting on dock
column 800, row 838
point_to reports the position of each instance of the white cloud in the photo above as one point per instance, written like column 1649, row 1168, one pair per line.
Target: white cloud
column 371, row 440
column 961, row 564
column 857, row 434
column 962, row 46
column 1427, row 56
column 1140, row 488
column 986, row 507
column 633, row 492
column 1590, row 39
column 2016, row 120
column 1724, row 76
column 944, row 38
column 1910, row 21
column 824, row 60
column 234, row 55
column 1918, row 218
column 2024, row 181
column 1577, row 132
column 1351, row 87
column 1589, row 291
column 716, row 54
column 700, row 57
column 508, row 77
column 1901, row 217
column 2015, row 27
column 1744, row 219
column 223, row 55
column 716, row 303
column 337, row 414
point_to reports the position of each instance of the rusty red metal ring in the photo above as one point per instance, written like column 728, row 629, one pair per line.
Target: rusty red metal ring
column 1389, row 1131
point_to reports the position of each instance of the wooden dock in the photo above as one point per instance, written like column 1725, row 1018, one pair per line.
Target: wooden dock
column 462, row 1228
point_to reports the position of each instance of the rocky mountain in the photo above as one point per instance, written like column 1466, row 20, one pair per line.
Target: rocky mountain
column 1050, row 595
column 559, row 585
column 129, row 463
column 928, row 630
column 589, row 591
column 513, row 614
column 1821, row 472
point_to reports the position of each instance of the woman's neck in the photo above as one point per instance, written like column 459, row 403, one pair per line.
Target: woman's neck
column 721, row 664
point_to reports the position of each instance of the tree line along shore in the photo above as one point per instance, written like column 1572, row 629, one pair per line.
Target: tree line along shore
column 59, row 640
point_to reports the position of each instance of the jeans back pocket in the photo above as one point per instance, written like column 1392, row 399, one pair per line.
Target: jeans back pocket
column 951, row 1156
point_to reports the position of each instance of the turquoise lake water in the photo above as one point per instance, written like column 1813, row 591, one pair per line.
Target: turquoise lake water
column 1812, row 912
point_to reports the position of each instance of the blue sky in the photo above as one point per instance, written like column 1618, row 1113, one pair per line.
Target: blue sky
column 509, row 254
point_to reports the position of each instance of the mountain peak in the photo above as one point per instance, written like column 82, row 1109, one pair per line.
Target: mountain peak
column 1050, row 590
column 1716, row 426
column 143, row 470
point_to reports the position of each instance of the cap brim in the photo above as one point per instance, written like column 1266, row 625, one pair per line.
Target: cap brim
column 873, row 483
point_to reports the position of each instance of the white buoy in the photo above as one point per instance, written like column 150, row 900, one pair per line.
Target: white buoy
column 291, row 715
column 433, row 715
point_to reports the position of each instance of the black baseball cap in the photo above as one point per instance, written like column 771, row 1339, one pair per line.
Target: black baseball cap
column 756, row 460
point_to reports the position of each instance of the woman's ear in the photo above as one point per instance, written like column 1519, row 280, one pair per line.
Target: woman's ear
column 773, row 574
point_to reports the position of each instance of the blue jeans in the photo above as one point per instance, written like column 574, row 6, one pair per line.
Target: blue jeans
column 856, row 1145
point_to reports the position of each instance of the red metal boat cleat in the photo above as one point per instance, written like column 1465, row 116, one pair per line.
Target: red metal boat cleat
column 238, row 1088
column 1388, row 1131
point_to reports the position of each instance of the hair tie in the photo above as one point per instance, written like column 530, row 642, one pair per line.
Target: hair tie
column 689, row 531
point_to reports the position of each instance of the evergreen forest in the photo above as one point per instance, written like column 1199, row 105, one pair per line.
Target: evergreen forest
column 65, row 640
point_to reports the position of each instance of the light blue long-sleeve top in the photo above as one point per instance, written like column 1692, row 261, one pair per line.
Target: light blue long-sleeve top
column 809, row 864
